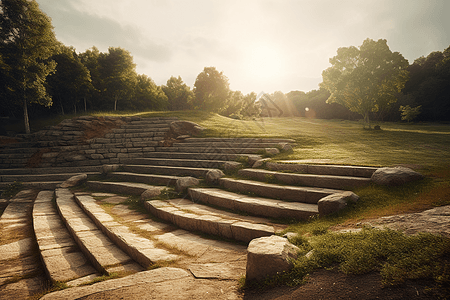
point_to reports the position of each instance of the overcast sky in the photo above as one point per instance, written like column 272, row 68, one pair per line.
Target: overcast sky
column 260, row 45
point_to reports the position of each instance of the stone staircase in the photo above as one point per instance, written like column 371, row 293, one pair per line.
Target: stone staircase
column 81, row 236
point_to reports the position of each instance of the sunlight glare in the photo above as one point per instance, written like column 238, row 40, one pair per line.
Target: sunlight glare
column 263, row 63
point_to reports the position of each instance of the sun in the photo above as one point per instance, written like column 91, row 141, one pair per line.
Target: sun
column 263, row 63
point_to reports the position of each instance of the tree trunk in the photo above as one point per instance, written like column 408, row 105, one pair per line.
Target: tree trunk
column 62, row 108
column 75, row 108
column 115, row 103
column 366, row 120
column 85, row 104
column 25, row 116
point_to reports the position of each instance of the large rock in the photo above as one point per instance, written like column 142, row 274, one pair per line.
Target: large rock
column 74, row 181
column 183, row 128
column 213, row 176
column 395, row 176
column 150, row 193
column 106, row 169
column 231, row 166
column 271, row 151
column 335, row 202
column 268, row 256
column 185, row 182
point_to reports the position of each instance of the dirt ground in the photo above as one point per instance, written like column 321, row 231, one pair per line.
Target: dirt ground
column 332, row 284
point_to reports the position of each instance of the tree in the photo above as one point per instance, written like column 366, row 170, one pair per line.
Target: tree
column 71, row 81
column 27, row 41
column 119, row 74
column 211, row 89
column 365, row 79
column 179, row 94
column 148, row 95
column 409, row 113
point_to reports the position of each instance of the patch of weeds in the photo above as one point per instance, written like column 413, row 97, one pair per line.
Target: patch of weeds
column 112, row 275
column 319, row 230
column 12, row 189
column 243, row 160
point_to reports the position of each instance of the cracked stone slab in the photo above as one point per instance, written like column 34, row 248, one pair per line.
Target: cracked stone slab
column 218, row 270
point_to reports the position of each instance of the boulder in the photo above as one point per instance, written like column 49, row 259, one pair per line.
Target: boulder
column 74, row 181
column 252, row 159
column 180, row 128
column 106, row 169
column 285, row 147
column 395, row 176
column 271, row 151
column 268, row 256
column 231, row 166
column 150, row 193
column 335, row 202
column 259, row 163
column 213, row 176
column 185, row 182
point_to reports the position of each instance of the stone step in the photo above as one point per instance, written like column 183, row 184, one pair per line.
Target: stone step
column 240, row 140
column 323, row 181
column 154, row 120
column 142, row 250
column 126, row 188
column 194, row 163
column 42, row 177
column 181, row 155
column 98, row 248
column 211, row 150
column 225, row 145
column 127, row 143
column 337, row 170
column 137, row 130
column 166, row 170
column 25, row 151
column 274, row 191
column 253, row 205
column 153, row 179
column 146, row 135
column 55, row 170
column 45, row 185
column 145, row 126
column 201, row 218
column 62, row 258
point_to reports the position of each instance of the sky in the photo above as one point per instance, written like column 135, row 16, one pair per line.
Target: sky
column 260, row 45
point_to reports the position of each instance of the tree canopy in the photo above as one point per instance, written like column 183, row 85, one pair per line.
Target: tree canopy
column 179, row 94
column 27, row 41
column 211, row 89
column 366, row 79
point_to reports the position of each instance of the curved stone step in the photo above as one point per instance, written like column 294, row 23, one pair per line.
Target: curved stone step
column 166, row 170
column 165, row 180
column 62, row 258
column 129, row 188
column 210, row 150
column 184, row 155
column 275, row 191
column 226, row 144
column 253, row 205
column 196, row 217
column 337, row 170
column 240, row 140
column 324, row 181
column 140, row 249
column 98, row 248
column 42, row 177
column 194, row 163
column 55, row 170
column 46, row 185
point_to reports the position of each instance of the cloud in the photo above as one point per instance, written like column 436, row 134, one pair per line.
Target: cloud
column 84, row 30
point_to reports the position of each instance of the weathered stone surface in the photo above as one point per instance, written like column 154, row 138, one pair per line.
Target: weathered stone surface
column 106, row 169
column 150, row 193
column 74, row 181
column 253, row 158
column 180, row 128
column 395, row 176
column 185, row 182
column 231, row 166
column 213, row 175
column 335, row 202
column 285, row 147
column 217, row 270
column 272, row 151
column 268, row 256
column 259, row 163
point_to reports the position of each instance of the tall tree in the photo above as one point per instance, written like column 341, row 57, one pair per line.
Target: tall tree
column 27, row 41
column 119, row 74
column 148, row 95
column 211, row 89
column 71, row 81
column 365, row 79
column 179, row 94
